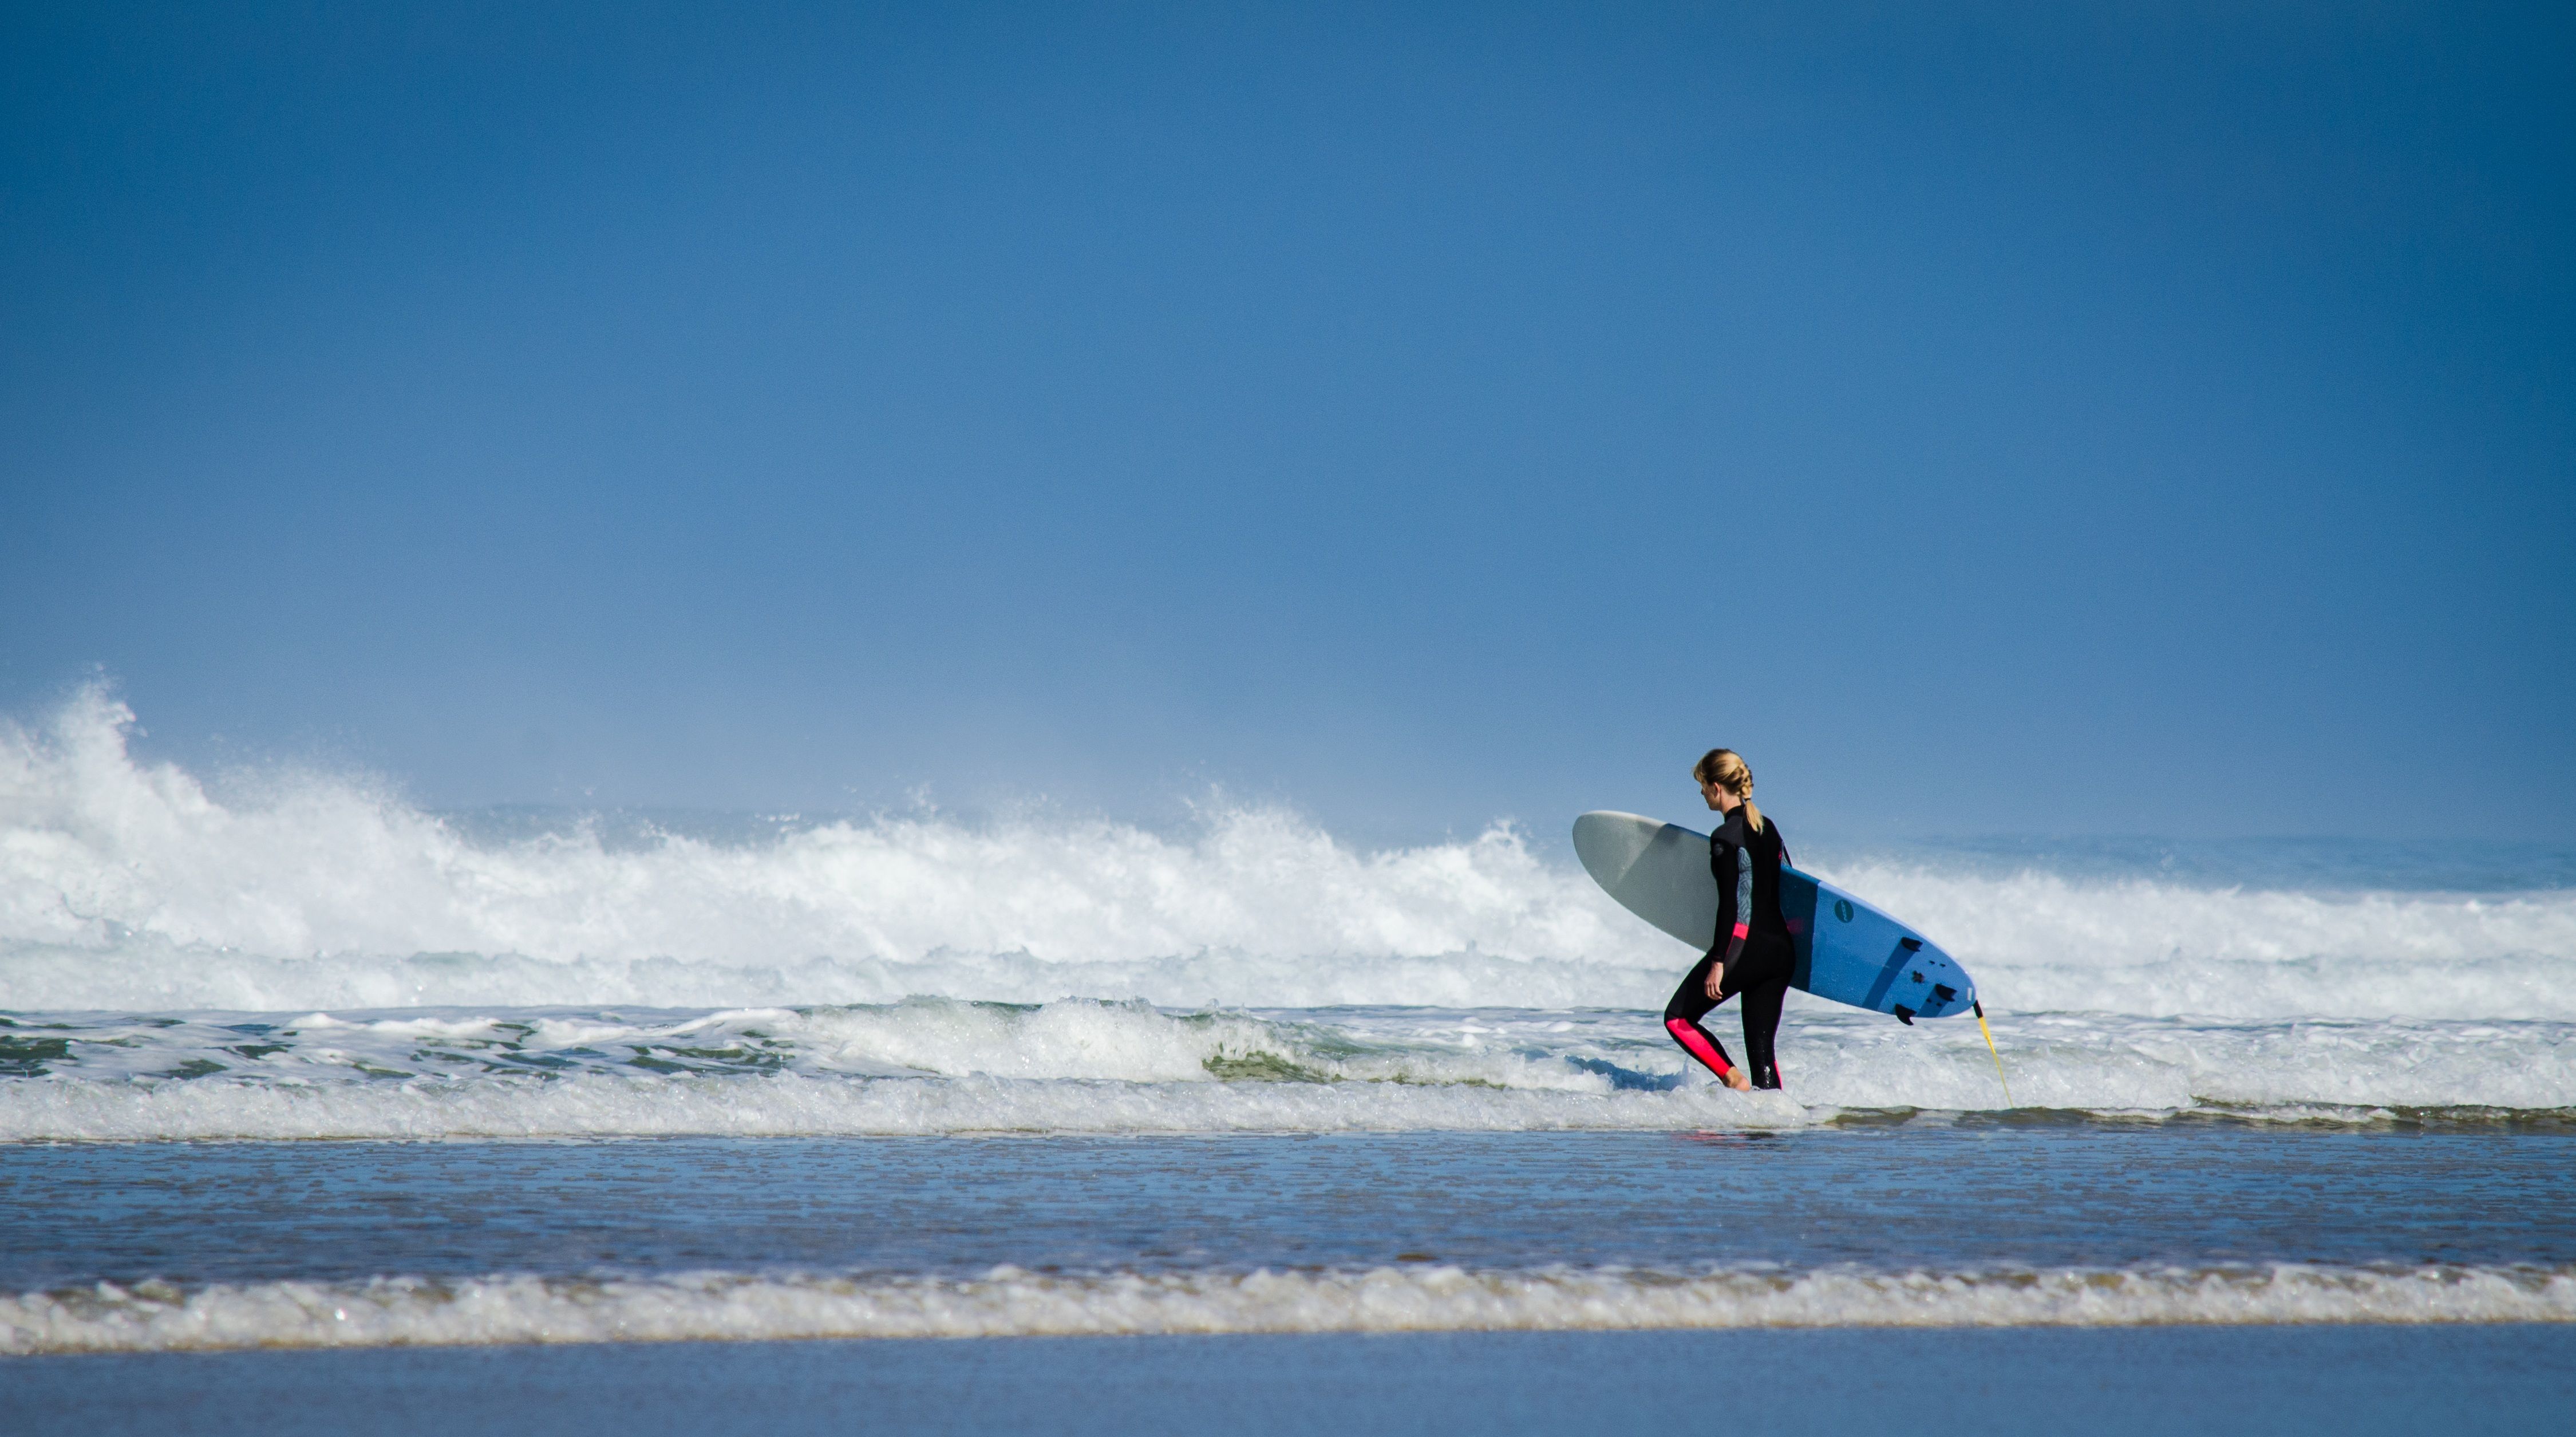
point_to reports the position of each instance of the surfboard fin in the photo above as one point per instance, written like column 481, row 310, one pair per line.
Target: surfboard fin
column 1904, row 1015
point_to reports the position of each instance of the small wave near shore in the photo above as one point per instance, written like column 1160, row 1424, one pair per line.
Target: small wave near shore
column 1009, row 1302
column 928, row 1065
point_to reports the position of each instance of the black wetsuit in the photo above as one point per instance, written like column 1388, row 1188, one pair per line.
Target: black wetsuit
column 1752, row 943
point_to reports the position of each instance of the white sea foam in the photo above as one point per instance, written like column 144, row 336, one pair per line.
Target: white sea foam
column 131, row 885
column 1009, row 1302
column 2043, row 942
column 189, row 964
column 128, row 885
column 1082, row 1066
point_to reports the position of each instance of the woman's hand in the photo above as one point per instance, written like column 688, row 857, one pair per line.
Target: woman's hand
column 1716, row 982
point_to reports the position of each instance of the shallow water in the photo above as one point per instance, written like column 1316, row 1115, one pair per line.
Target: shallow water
column 135, row 1246
column 1937, row 1197
column 2352, row 1381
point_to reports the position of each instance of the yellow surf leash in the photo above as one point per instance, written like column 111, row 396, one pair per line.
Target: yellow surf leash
column 1980, row 1007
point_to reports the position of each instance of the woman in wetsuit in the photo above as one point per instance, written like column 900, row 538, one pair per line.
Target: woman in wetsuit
column 1751, row 954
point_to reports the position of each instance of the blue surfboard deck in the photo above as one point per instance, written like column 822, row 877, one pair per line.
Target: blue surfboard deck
column 1847, row 950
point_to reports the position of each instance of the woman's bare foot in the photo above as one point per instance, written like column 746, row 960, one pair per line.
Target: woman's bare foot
column 1739, row 1080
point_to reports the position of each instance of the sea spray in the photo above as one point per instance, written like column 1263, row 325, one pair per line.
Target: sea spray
column 131, row 885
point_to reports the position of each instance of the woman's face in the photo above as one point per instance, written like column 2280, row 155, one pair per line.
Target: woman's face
column 1718, row 798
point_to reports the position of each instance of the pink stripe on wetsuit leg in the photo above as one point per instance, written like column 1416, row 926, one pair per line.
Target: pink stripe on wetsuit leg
column 1696, row 1043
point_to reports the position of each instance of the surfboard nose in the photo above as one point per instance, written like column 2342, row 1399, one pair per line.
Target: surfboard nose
column 1609, row 844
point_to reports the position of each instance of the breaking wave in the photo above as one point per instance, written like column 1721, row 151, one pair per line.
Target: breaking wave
column 151, row 1317
column 137, row 886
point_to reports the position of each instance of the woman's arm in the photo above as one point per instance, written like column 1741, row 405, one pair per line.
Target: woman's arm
column 1743, row 903
column 1734, row 903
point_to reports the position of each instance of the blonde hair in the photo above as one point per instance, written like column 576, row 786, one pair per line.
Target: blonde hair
column 1725, row 768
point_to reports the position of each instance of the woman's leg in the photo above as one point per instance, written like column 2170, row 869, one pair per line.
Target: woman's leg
column 1762, row 977
column 1681, row 1019
column 1762, row 1021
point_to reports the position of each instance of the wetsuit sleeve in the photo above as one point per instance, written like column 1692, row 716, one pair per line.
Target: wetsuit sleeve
column 1743, row 904
column 1721, row 866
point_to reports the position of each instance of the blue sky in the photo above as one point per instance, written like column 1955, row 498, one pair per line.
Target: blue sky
column 2029, row 418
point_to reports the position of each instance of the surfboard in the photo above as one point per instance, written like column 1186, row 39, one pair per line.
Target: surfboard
column 1847, row 950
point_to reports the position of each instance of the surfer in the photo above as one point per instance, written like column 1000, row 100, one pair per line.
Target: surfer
column 1751, row 953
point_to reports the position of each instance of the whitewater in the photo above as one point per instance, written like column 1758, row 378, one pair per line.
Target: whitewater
column 1009, row 1302
column 289, row 953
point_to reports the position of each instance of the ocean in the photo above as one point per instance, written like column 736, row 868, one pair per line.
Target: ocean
column 302, row 1080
